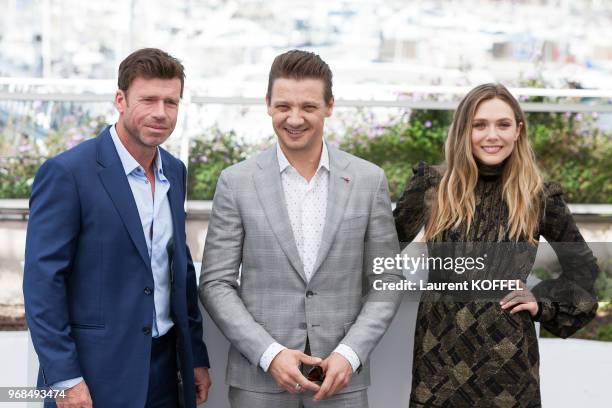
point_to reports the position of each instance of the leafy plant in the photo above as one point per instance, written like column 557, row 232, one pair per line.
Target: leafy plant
column 210, row 153
column 569, row 147
column 21, row 154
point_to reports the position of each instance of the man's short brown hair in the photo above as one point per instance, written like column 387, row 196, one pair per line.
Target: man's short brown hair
column 297, row 64
column 149, row 63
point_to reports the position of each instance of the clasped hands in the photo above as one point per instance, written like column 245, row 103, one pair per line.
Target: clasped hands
column 285, row 369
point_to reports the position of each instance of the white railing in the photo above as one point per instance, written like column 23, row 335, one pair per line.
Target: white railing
column 403, row 102
column 371, row 103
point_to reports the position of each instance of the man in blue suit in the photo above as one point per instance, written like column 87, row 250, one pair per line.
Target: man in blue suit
column 109, row 284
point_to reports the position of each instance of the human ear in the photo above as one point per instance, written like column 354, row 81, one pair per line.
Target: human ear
column 330, row 107
column 518, row 131
column 120, row 100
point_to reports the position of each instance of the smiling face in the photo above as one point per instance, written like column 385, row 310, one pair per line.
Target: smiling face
column 494, row 131
column 298, row 112
column 148, row 111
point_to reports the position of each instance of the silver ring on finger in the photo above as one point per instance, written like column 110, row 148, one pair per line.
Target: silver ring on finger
column 298, row 387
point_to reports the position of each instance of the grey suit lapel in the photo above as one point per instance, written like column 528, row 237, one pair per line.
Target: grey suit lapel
column 272, row 199
column 340, row 184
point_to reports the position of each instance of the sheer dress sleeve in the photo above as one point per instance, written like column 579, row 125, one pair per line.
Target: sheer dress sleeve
column 568, row 302
column 412, row 209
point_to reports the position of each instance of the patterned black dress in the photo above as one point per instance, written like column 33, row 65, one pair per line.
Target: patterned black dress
column 473, row 353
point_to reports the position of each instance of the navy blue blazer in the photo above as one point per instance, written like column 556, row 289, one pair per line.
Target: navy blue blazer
column 86, row 270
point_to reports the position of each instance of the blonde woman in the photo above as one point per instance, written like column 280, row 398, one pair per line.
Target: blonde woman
column 480, row 353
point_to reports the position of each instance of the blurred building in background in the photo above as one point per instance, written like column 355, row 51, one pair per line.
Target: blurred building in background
column 416, row 42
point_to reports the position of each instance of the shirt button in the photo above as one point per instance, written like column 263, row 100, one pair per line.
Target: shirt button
column 146, row 330
column 303, row 326
column 147, row 291
column 309, row 294
column 147, row 181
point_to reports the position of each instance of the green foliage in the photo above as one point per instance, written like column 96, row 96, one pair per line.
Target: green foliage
column 17, row 175
column 542, row 273
column 569, row 148
column 209, row 154
column 573, row 152
column 604, row 333
column 72, row 131
column 21, row 156
column 603, row 283
column 398, row 145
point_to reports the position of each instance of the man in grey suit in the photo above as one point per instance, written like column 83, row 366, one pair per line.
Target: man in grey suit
column 287, row 268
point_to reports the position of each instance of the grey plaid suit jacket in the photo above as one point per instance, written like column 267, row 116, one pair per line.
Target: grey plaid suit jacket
column 253, row 283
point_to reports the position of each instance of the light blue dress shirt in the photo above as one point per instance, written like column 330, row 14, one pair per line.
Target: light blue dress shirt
column 156, row 219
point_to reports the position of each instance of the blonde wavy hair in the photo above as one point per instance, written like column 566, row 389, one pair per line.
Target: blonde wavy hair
column 454, row 201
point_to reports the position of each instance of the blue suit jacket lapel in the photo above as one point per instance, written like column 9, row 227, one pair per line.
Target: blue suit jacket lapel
column 175, row 198
column 115, row 182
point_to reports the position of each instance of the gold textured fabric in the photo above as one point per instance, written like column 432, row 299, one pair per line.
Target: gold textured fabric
column 473, row 353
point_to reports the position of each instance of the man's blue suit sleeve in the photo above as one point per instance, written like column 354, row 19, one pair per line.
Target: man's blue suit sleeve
column 200, row 353
column 64, row 385
column 52, row 234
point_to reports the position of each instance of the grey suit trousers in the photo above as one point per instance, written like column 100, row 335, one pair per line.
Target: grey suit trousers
column 250, row 399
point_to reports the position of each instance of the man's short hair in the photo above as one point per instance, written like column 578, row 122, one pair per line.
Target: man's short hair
column 149, row 63
column 297, row 64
